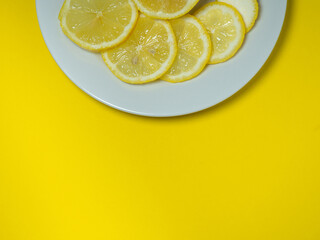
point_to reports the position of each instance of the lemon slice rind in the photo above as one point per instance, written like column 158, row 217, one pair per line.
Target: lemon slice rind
column 186, row 73
column 239, row 25
column 104, row 45
column 165, row 66
column 160, row 14
column 249, row 10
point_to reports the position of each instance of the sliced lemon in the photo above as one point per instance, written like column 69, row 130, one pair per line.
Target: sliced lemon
column 98, row 24
column 194, row 49
column 146, row 55
column 248, row 9
column 226, row 28
column 165, row 9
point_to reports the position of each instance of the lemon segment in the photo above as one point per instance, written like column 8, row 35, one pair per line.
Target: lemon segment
column 226, row 29
column 98, row 24
column 194, row 49
column 165, row 9
column 248, row 9
column 146, row 55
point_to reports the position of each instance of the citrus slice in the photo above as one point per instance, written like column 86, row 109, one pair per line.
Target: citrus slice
column 194, row 49
column 98, row 24
column 165, row 9
column 226, row 28
column 248, row 9
column 146, row 55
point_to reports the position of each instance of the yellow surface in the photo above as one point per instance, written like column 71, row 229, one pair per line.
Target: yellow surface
column 72, row 168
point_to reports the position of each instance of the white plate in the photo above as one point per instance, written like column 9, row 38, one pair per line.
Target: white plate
column 161, row 99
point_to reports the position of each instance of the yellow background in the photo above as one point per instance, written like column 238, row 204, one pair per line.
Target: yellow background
column 72, row 168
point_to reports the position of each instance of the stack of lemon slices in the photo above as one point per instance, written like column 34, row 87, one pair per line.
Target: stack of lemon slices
column 146, row 40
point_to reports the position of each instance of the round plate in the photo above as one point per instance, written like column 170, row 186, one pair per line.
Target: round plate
column 161, row 99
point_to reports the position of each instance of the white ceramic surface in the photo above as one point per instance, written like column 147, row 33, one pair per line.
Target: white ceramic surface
column 161, row 99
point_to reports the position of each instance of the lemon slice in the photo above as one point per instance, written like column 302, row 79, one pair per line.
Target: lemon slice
column 194, row 49
column 98, row 24
column 226, row 28
column 146, row 55
column 249, row 10
column 165, row 9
